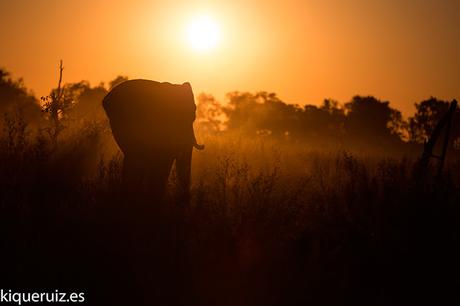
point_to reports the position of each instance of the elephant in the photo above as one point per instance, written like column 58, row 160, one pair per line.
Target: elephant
column 152, row 123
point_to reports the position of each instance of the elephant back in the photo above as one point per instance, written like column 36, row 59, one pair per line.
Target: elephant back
column 146, row 115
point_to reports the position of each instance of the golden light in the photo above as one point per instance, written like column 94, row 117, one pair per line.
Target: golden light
column 203, row 33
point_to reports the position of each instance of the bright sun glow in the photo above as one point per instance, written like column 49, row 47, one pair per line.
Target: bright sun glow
column 203, row 33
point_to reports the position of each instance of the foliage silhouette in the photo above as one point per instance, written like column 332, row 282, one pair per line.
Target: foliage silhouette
column 16, row 100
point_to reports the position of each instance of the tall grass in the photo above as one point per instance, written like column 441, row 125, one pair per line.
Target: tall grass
column 270, row 222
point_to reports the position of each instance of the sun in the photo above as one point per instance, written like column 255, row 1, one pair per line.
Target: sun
column 203, row 33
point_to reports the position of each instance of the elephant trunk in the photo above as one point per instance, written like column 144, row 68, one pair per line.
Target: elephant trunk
column 198, row 146
column 184, row 166
column 195, row 143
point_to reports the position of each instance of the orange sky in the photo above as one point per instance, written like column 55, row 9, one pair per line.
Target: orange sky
column 398, row 50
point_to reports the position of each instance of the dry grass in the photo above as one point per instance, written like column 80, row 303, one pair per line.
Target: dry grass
column 270, row 223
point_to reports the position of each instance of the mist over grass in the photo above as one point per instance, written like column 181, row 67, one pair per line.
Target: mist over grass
column 269, row 223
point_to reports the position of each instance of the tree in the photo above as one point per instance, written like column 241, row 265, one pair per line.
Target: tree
column 210, row 114
column 15, row 99
column 56, row 106
column 371, row 121
column 261, row 112
column 87, row 101
column 118, row 80
column 427, row 115
column 323, row 124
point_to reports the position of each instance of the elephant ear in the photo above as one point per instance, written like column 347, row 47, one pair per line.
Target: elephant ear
column 188, row 90
column 189, row 98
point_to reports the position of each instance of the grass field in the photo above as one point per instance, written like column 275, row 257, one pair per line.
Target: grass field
column 270, row 222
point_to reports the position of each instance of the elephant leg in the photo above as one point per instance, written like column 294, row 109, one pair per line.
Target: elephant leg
column 131, row 174
column 145, row 176
column 158, row 173
column 183, row 169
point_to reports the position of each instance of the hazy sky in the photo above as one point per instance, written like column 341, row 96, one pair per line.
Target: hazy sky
column 398, row 50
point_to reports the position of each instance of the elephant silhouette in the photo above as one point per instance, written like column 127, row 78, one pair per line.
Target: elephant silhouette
column 152, row 123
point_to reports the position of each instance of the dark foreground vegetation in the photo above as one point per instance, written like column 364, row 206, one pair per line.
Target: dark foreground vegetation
column 290, row 206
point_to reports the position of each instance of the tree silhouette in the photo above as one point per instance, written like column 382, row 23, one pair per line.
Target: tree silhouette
column 372, row 122
column 363, row 122
column 210, row 114
column 87, row 101
column 55, row 106
column 118, row 80
column 261, row 112
column 16, row 99
column 428, row 113
column 324, row 124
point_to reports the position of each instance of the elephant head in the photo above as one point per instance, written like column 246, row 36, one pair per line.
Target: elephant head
column 152, row 124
